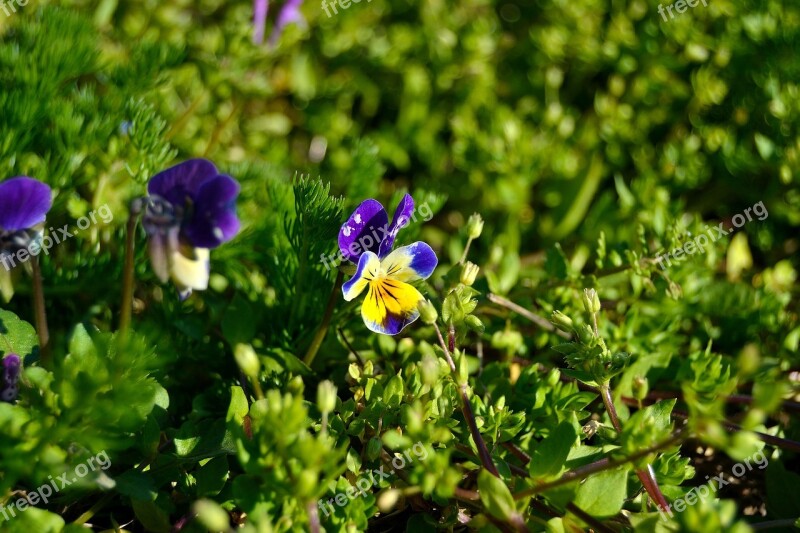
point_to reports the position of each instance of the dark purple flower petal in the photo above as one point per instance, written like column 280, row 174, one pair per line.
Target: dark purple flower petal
column 182, row 181
column 214, row 220
column 364, row 230
column 402, row 216
column 24, row 202
column 10, row 375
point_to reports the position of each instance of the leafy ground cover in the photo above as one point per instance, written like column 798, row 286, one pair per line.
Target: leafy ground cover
column 407, row 266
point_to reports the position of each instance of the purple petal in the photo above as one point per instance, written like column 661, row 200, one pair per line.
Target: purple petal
column 411, row 263
column 260, row 9
column 214, row 220
column 364, row 230
column 400, row 220
column 289, row 13
column 11, row 366
column 24, row 202
column 182, row 181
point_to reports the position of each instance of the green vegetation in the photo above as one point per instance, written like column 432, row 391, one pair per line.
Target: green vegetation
column 591, row 137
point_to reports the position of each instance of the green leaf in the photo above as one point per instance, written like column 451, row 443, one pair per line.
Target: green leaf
column 549, row 457
column 32, row 520
column 136, row 484
column 152, row 517
column 212, row 477
column 603, row 494
column 783, row 499
column 238, row 407
column 16, row 336
column 495, row 496
column 239, row 324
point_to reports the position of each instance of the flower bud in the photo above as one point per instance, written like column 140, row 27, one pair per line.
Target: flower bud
column 211, row 515
column 591, row 302
column 474, row 226
column 469, row 272
column 427, row 312
column 639, row 388
column 247, row 360
column 326, row 396
column 561, row 320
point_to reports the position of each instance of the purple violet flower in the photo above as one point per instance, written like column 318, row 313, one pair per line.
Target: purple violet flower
column 24, row 203
column 190, row 209
column 10, row 377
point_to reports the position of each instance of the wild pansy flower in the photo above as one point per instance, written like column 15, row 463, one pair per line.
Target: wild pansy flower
column 190, row 209
column 9, row 377
column 367, row 239
column 24, row 203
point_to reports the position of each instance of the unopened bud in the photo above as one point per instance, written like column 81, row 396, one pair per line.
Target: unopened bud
column 427, row 312
column 469, row 272
column 326, row 396
column 388, row 499
column 639, row 388
column 591, row 302
column 212, row 515
column 561, row 320
column 247, row 360
column 474, row 226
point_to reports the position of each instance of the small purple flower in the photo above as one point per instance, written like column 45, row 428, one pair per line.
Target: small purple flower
column 10, row 377
column 190, row 209
column 24, row 203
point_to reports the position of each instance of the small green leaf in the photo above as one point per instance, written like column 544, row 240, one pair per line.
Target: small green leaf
column 495, row 496
column 549, row 456
column 212, row 477
column 16, row 336
column 603, row 494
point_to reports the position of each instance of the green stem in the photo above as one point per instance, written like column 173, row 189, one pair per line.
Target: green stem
column 466, row 251
column 127, row 276
column 85, row 517
column 326, row 321
column 40, row 314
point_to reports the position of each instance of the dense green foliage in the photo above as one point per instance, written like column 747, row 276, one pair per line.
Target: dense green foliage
column 591, row 136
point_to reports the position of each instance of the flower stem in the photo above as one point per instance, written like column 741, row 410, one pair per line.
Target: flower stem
column 326, row 321
column 466, row 410
column 466, row 251
column 40, row 314
column 645, row 474
column 313, row 516
column 127, row 276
